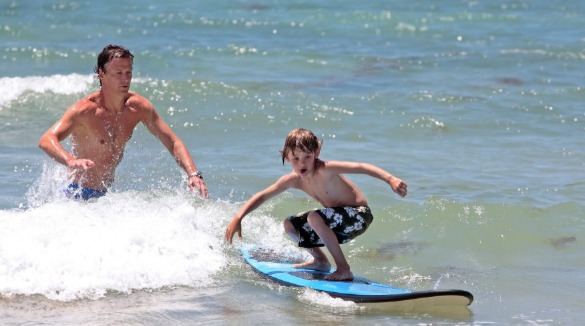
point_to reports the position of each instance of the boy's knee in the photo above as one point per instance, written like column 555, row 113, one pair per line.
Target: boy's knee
column 287, row 225
column 314, row 219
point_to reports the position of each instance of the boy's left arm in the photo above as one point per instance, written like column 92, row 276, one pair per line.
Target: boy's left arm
column 397, row 185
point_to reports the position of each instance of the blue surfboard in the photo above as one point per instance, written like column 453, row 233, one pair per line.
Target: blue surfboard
column 279, row 268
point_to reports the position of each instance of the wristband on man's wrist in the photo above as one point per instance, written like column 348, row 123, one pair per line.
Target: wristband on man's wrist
column 197, row 174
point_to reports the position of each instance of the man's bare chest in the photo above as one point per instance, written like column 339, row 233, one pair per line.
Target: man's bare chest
column 108, row 130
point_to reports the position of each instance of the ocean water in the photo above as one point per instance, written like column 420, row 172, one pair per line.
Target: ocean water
column 476, row 105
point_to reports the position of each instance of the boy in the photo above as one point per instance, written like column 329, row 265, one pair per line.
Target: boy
column 345, row 216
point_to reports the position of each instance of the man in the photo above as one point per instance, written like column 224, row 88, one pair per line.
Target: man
column 100, row 125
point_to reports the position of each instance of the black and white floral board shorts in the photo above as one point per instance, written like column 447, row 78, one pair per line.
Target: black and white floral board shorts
column 346, row 222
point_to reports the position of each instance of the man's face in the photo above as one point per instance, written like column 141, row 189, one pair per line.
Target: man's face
column 117, row 74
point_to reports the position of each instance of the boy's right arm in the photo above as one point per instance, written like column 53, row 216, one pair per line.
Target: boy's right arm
column 235, row 226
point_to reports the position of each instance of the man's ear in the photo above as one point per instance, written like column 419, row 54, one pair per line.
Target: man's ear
column 100, row 73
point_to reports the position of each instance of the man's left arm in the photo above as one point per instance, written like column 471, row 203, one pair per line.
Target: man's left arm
column 161, row 130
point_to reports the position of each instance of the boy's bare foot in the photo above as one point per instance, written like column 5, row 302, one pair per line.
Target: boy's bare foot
column 323, row 266
column 340, row 276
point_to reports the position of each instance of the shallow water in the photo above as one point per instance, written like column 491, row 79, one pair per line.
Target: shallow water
column 475, row 104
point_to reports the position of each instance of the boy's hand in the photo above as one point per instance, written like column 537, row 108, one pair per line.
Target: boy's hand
column 234, row 226
column 398, row 186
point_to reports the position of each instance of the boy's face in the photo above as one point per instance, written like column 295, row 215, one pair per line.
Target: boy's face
column 303, row 163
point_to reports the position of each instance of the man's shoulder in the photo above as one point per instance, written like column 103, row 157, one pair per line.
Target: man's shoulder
column 138, row 101
column 86, row 104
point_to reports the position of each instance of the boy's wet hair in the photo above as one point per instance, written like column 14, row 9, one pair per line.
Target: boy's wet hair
column 301, row 139
column 108, row 54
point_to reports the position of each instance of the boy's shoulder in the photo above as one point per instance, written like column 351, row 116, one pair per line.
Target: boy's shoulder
column 288, row 177
column 328, row 165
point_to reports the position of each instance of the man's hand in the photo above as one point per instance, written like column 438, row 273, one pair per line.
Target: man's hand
column 195, row 182
column 78, row 164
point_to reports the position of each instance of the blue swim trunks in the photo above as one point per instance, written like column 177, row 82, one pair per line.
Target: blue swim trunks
column 74, row 191
column 346, row 222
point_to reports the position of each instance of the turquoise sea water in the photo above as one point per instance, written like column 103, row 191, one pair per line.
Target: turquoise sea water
column 477, row 105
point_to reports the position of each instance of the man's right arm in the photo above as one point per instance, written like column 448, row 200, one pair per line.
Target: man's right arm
column 50, row 142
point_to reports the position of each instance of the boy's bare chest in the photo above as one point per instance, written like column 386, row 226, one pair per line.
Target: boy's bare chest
column 322, row 189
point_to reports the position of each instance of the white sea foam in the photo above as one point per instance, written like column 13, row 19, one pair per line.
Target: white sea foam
column 325, row 300
column 123, row 242
column 14, row 87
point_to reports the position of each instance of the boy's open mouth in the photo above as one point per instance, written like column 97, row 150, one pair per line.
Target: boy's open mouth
column 303, row 171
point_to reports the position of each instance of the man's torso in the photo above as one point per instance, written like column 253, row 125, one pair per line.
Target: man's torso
column 101, row 136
